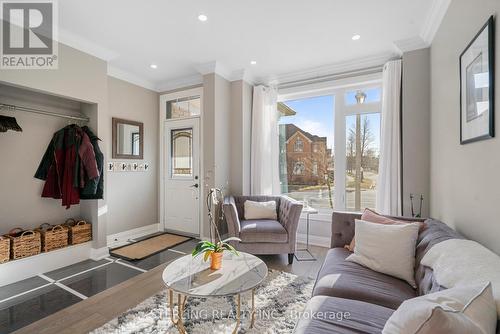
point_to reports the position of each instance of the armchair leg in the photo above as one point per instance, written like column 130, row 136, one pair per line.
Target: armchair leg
column 290, row 258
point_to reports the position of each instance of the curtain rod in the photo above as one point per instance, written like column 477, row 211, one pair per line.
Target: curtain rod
column 42, row 112
column 331, row 77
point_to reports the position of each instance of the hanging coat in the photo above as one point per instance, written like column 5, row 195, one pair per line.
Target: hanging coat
column 94, row 189
column 69, row 153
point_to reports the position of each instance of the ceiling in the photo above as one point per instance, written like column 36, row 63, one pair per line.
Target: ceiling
column 284, row 37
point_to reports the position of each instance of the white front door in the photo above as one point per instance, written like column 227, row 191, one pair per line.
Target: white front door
column 182, row 176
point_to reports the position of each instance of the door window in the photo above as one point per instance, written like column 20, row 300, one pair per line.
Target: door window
column 182, row 152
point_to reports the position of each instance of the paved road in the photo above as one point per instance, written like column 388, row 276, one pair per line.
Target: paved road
column 320, row 199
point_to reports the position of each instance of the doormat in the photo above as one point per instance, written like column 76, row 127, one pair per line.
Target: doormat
column 144, row 248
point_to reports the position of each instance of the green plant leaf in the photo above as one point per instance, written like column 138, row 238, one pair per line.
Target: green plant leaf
column 231, row 239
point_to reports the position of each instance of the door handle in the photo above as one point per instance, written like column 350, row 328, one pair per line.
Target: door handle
column 195, row 185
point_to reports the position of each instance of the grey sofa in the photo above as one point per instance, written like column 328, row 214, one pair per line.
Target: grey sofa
column 368, row 297
column 264, row 236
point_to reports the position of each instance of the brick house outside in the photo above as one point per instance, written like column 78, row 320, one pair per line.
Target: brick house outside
column 308, row 159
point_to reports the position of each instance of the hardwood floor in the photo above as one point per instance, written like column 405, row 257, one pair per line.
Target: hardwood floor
column 97, row 310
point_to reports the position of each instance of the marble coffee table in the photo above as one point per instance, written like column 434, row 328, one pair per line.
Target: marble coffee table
column 192, row 277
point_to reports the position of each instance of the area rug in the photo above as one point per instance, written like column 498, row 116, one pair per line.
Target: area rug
column 278, row 302
column 142, row 249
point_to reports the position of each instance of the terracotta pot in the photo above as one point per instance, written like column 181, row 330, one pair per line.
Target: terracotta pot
column 216, row 261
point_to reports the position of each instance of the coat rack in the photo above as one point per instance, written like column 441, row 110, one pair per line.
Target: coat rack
column 12, row 107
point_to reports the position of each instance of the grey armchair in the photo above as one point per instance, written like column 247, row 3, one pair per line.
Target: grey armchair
column 264, row 236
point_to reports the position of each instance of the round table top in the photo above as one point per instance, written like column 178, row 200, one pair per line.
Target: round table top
column 193, row 276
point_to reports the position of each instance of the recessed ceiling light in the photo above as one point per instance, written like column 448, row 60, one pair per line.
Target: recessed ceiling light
column 356, row 37
column 253, row 62
column 202, row 17
column 153, row 66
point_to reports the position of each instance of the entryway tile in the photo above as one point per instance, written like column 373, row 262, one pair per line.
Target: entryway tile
column 74, row 269
column 186, row 247
column 13, row 289
column 23, row 310
column 100, row 279
column 155, row 260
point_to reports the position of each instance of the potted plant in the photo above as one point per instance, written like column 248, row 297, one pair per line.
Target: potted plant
column 213, row 248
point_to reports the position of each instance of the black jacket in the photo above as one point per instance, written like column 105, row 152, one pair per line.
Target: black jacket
column 94, row 189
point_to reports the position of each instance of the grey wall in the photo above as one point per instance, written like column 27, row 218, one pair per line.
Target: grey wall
column 465, row 190
column 21, row 152
column 241, row 119
column 82, row 78
column 133, row 196
column 216, row 138
column 416, row 129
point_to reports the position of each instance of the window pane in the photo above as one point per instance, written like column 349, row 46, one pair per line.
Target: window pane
column 306, row 144
column 372, row 95
column 183, row 108
column 362, row 159
column 182, row 152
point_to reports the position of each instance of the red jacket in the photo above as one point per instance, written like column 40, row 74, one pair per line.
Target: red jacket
column 69, row 156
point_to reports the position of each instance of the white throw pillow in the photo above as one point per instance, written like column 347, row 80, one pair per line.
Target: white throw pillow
column 460, row 310
column 458, row 262
column 389, row 249
column 260, row 210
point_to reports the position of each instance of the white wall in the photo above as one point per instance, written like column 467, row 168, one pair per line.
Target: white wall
column 416, row 129
column 465, row 191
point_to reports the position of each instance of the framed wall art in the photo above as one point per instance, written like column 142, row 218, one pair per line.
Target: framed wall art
column 477, row 80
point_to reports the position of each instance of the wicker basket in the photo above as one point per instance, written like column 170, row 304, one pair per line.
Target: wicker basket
column 4, row 249
column 53, row 237
column 79, row 231
column 24, row 243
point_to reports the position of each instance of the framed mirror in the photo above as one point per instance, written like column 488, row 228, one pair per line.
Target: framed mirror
column 128, row 139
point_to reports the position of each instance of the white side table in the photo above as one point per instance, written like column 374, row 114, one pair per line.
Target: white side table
column 310, row 257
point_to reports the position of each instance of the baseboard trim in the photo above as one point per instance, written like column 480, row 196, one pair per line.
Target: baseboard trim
column 115, row 240
column 17, row 270
column 97, row 254
column 314, row 240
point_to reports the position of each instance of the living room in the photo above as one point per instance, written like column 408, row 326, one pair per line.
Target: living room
column 174, row 167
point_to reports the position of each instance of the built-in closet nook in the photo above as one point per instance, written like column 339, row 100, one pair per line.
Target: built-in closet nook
column 39, row 116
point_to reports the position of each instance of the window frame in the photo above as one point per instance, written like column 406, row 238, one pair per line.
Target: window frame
column 340, row 110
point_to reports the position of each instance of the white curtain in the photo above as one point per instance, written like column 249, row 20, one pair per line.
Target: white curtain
column 389, row 178
column 264, row 169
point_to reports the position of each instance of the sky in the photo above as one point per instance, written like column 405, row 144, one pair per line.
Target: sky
column 316, row 115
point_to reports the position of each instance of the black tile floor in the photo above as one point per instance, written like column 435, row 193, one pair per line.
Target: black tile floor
column 32, row 299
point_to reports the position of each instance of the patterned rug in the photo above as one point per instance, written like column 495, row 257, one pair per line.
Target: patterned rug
column 278, row 303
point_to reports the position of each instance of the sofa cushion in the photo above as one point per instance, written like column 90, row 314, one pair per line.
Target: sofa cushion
column 388, row 249
column 345, row 279
column 260, row 210
column 462, row 309
column 337, row 315
column 262, row 230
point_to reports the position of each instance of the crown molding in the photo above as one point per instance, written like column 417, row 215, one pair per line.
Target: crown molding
column 214, row 67
column 118, row 73
column 183, row 82
column 410, row 44
column 321, row 71
column 433, row 20
column 84, row 45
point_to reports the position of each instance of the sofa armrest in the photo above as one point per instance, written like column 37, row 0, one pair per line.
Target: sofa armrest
column 289, row 215
column 231, row 214
column 343, row 227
